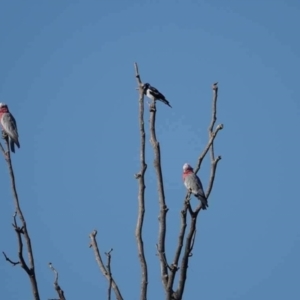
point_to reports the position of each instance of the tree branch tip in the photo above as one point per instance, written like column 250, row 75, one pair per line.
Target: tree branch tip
column 94, row 233
column 109, row 252
column 215, row 86
column 220, row 126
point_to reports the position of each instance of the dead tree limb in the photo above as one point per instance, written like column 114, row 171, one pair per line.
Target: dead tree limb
column 190, row 239
column 57, row 287
column 141, row 191
column 22, row 231
column 106, row 273
column 161, row 198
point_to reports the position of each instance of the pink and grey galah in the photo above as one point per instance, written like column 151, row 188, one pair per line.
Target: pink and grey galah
column 9, row 126
column 193, row 183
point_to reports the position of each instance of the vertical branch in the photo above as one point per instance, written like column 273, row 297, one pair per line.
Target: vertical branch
column 21, row 232
column 161, row 196
column 108, row 254
column 58, row 289
column 141, row 193
column 106, row 273
column 213, row 118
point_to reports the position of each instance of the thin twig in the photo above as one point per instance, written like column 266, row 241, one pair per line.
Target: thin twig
column 108, row 254
column 104, row 271
column 141, row 193
column 212, row 175
column 214, row 118
column 210, row 142
column 161, row 197
column 9, row 260
column 30, row 268
column 57, row 287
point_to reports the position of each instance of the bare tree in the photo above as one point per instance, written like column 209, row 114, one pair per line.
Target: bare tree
column 186, row 237
column 170, row 268
column 21, row 232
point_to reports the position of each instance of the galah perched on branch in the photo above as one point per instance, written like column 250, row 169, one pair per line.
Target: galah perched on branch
column 9, row 126
column 154, row 94
column 193, row 183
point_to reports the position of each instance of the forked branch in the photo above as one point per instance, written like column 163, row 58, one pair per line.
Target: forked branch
column 105, row 271
column 141, row 191
column 22, row 231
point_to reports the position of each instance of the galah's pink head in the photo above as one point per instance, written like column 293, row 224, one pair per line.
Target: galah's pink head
column 3, row 107
column 187, row 167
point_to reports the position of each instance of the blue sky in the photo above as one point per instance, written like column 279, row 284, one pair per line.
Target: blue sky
column 67, row 75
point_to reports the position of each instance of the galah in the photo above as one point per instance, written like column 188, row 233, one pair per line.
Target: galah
column 193, row 183
column 9, row 126
column 154, row 94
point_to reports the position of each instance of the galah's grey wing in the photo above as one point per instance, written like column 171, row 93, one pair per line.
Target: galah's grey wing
column 200, row 194
column 10, row 126
column 199, row 186
column 199, row 183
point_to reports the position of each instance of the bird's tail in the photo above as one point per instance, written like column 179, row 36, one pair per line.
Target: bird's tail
column 12, row 146
column 165, row 101
column 204, row 204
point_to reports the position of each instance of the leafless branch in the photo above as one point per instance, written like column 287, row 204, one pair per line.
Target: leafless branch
column 190, row 239
column 30, row 268
column 214, row 118
column 174, row 265
column 141, row 193
column 9, row 260
column 161, row 197
column 108, row 254
column 58, row 289
column 103, row 269
column 212, row 175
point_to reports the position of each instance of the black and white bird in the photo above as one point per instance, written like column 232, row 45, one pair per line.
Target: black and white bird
column 154, row 94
